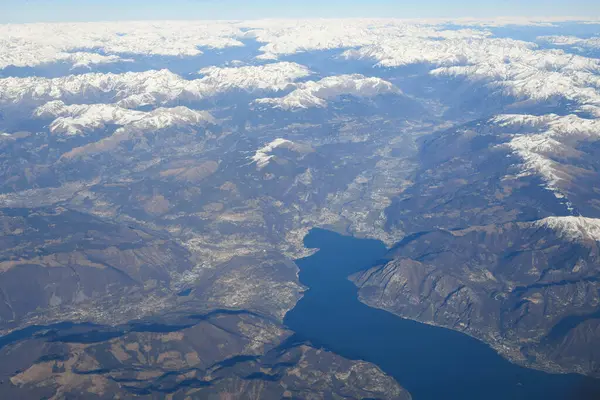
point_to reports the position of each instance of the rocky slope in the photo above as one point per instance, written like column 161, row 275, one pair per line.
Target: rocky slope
column 496, row 243
column 59, row 264
column 116, row 215
column 528, row 289
column 219, row 355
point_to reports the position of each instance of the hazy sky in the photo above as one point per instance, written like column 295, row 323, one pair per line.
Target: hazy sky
column 94, row 10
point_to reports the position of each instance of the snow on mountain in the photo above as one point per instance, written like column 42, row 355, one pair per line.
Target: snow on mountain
column 39, row 90
column 515, row 67
column 82, row 59
column 160, row 118
column 537, row 75
column 315, row 94
column 561, row 125
column 275, row 76
column 389, row 42
column 433, row 49
column 34, row 44
column 588, row 43
column 10, row 55
column 264, row 155
column 573, row 228
column 134, row 89
column 290, row 37
column 77, row 118
column 547, row 141
column 509, row 67
column 269, row 77
column 282, row 37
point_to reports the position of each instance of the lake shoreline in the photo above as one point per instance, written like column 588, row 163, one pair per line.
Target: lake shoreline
column 429, row 361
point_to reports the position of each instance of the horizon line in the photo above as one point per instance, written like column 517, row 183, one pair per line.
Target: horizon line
column 498, row 18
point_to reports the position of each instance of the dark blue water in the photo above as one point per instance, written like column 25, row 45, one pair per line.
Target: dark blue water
column 430, row 362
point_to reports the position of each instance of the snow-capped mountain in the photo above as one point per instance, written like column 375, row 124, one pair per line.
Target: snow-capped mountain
column 316, row 93
column 134, row 89
column 133, row 125
column 162, row 117
column 573, row 228
column 271, row 77
column 586, row 43
column 548, row 142
column 264, row 155
column 77, row 118
column 37, row 44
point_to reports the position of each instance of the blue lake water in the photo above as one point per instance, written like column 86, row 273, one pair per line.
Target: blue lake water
column 430, row 362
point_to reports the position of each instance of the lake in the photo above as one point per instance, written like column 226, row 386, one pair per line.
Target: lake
column 430, row 362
